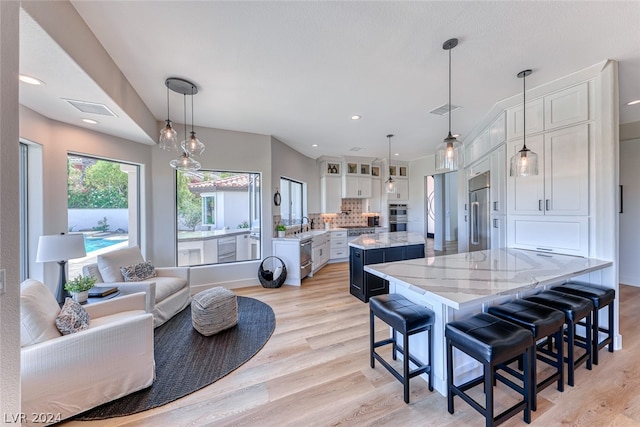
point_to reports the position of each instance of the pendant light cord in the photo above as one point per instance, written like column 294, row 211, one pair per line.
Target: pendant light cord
column 168, row 117
column 185, row 118
column 450, row 90
column 524, row 115
column 192, row 108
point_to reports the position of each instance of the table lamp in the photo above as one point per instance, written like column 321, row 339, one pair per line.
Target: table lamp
column 60, row 248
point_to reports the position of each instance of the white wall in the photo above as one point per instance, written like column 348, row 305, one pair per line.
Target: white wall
column 225, row 150
column 288, row 163
column 9, row 212
column 630, row 218
column 57, row 140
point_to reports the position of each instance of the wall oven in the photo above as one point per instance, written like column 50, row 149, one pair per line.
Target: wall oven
column 397, row 217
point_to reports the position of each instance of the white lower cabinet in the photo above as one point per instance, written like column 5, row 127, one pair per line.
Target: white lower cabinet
column 561, row 234
column 320, row 252
column 338, row 249
column 498, row 231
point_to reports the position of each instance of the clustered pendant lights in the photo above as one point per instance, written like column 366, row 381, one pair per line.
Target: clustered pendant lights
column 390, row 184
column 525, row 161
column 168, row 136
column 449, row 152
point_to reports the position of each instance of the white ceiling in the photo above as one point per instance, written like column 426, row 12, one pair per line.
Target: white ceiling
column 300, row 70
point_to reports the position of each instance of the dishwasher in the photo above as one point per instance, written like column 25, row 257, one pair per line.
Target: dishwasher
column 305, row 258
column 227, row 249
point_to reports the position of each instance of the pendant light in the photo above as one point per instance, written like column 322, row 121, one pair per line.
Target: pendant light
column 193, row 146
column 525, row 161
column 449, row 151
column 168, row 136
column 185, row 163
column 390, row 184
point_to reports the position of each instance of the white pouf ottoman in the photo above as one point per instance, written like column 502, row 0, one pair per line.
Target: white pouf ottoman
column 214, row 310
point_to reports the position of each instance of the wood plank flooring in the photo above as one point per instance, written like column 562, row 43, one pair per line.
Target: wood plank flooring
column 314, row 371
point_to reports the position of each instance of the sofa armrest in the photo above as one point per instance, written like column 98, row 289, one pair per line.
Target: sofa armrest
column 148, row 287
column 78, row 371
column 181, row 272
column 131, row 302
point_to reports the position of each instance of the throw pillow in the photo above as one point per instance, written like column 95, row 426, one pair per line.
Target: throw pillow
column 138, row 272
column 72, row 317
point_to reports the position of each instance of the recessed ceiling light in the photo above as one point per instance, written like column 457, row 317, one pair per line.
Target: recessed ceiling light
column 456, row 135
column 314, row 145
column 90, row 121
column 396, row 154
column 356, row 117
column 30, row 80
column 634, row 102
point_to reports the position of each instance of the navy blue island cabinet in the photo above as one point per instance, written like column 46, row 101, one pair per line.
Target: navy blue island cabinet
column 363, row 285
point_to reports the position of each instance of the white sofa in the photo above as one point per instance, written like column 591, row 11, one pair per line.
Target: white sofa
column 167, row 294
column 69, row 374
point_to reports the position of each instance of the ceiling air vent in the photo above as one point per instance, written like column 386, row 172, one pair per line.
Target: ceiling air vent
column 444, row 109
column 91, row 107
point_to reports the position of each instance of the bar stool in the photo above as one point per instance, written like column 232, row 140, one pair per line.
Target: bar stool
column 543, row 322
column 492, row 342
column 406, row 318
column 600, row 297
column 575, row 309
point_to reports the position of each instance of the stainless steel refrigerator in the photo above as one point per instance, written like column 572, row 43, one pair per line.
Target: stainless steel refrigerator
column 479, row 221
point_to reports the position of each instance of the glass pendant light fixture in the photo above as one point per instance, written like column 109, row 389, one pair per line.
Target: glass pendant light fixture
column 168, row 136
column 193, row 146
column 390, row 184
column 449, row 151
column 525, row 161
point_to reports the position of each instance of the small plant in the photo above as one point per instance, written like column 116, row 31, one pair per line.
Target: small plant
column 102, row 225
column 245, row 224
column 79, row 284
column 281, row 227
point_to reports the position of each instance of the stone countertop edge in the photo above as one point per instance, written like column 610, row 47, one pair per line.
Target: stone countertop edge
column 458, row 298
column 387, row 240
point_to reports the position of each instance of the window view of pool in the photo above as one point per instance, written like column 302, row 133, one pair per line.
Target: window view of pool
column 94, row 243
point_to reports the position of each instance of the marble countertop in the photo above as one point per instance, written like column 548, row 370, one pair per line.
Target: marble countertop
column 387, row 240
column 470, row 278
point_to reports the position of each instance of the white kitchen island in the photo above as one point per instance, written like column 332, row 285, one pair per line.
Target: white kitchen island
column 457, row 286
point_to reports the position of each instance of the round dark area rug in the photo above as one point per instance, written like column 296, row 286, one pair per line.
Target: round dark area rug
column 187, row 361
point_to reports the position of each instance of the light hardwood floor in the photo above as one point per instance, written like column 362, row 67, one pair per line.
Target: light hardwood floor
column 314, row 371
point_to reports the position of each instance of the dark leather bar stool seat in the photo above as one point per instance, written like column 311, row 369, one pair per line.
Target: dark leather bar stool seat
column 406, row 318
column 600, row 297
column 575, row 309
column 543, row 322
column 493, row 342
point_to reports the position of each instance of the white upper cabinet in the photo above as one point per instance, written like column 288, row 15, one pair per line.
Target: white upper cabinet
column 402, row 191
column 331, row 194
column 497, row 189
column 566, row 107
column 562, row 184
column 356, row 187
column 535, row 119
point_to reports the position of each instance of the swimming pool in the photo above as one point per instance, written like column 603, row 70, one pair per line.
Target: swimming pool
column 94, row 243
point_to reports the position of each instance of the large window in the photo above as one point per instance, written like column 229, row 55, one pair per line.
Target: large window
column 102, row 204
column 292, row 205
column 218, row 217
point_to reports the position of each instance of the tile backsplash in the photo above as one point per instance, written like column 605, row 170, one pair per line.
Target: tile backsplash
column 351, row 215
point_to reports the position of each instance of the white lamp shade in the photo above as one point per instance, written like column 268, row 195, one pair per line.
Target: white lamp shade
column 60, row 247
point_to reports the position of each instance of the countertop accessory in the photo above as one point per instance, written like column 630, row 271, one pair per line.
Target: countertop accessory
column 449, row 151
column 525, row 161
